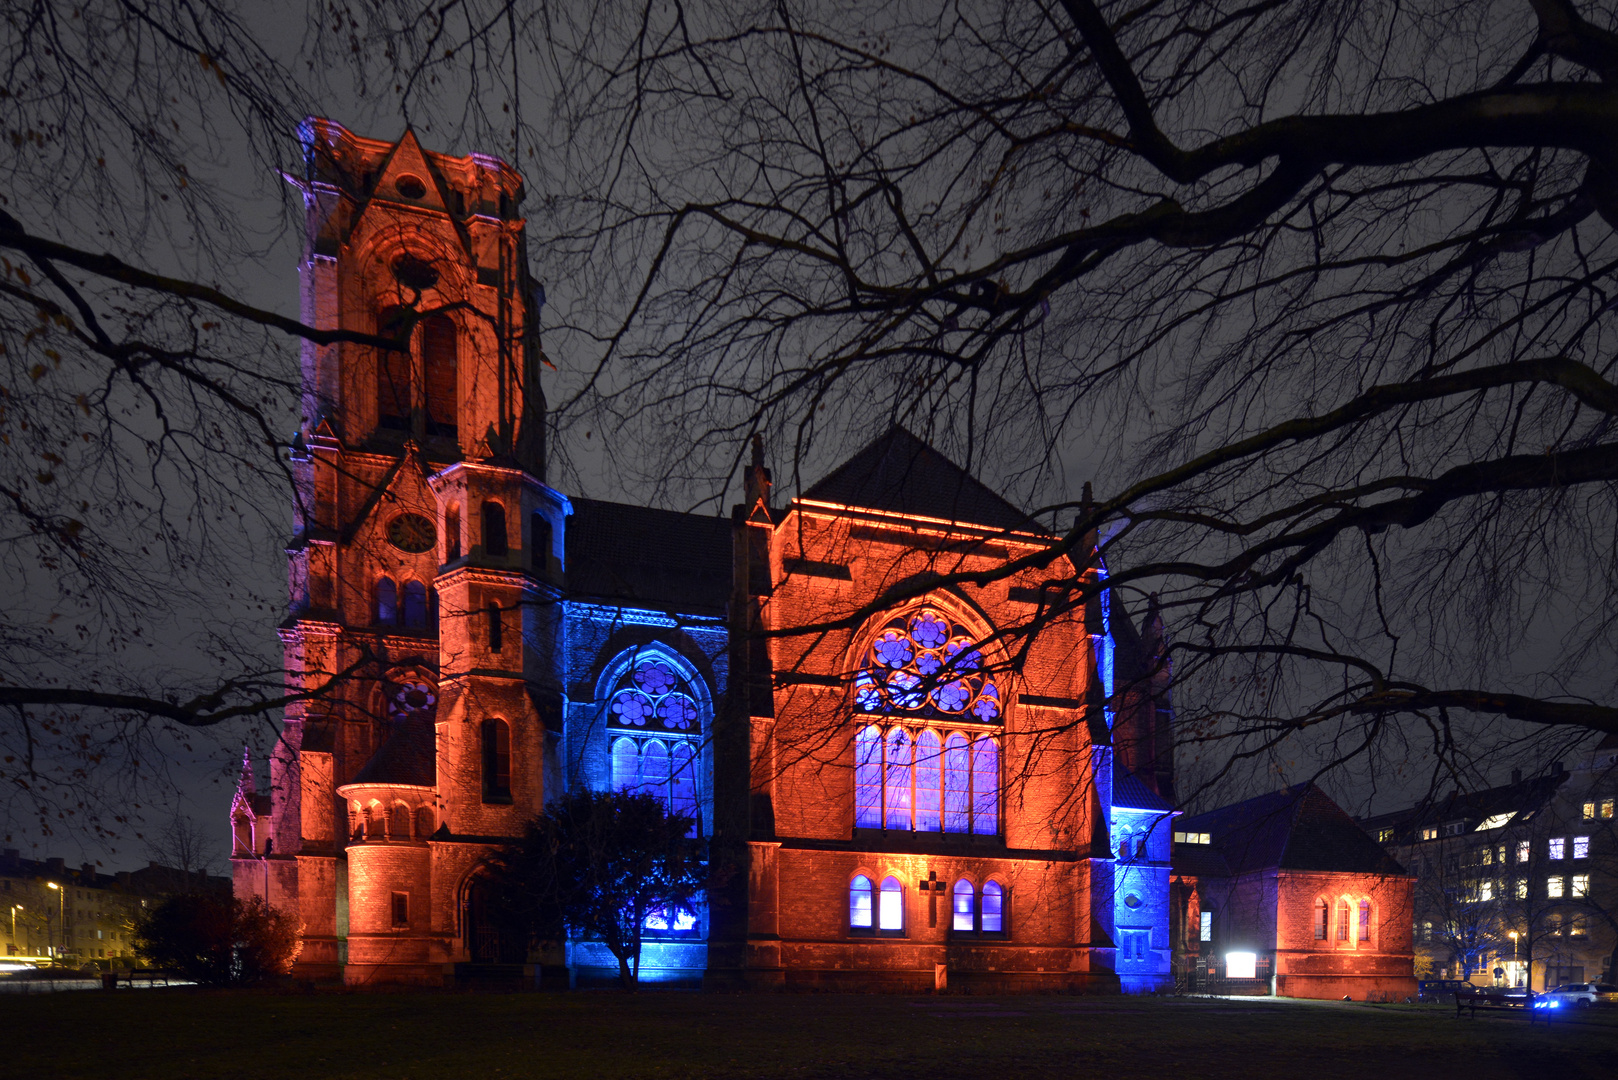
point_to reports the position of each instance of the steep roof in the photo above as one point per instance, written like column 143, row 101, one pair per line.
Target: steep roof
column 1297, row 828
column 661, row 558
column 1130, row 792
column 408, row 756
column 904, row 475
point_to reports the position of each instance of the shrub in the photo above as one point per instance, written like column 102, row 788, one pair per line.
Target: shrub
column 217, row 939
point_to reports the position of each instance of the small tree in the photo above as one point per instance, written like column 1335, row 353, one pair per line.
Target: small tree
column 218, row 939
column 599, row 863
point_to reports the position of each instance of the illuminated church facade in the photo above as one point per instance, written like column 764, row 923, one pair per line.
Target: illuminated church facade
column 917, row 799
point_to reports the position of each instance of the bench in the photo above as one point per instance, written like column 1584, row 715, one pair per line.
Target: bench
column 1497, row 999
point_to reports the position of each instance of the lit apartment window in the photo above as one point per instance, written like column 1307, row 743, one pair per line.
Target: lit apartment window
column 1486, row 890
column 1558, row 847
column 1589, row 811
column 1205, row 926
column 1606, row 808
column 1522, row 888
column 1522, row 851
column 1486, row 856
column 1553, row 888
column 1430, row 833
column 1581, row 885
column 1581, row 847
column 1384, row 836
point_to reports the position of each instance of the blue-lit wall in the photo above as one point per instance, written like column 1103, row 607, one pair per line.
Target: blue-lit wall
column 599, row 641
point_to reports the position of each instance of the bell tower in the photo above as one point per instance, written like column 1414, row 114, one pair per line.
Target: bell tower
column 425, row 567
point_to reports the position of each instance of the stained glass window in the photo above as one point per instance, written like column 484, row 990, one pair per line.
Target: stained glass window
column 1365, row 920
column 654, row 700
column 993, row 908
column 923, row 665
column 896, row 781
column 985, row 785
column 891, row 911
column 387, row 602
column 965, row 917
column 868, row 778
column 859, row 903
column 957, row 784
column 929, row 760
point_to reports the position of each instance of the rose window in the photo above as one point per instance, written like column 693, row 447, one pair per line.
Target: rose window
column 411, row 699
column 652, row 695
column 925, row 665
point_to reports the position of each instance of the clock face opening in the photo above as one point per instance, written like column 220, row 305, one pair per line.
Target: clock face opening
column 412, row 533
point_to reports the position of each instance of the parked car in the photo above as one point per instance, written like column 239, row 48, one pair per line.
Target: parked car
column 1583, row 995
column 1440, row 989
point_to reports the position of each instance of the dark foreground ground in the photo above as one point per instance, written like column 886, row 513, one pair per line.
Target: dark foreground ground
column 182, row 1033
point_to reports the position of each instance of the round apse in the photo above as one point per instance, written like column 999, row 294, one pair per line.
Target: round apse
column 411, row 187
column 412, row 533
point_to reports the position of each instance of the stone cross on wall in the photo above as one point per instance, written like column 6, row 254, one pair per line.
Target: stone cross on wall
column 932, row 887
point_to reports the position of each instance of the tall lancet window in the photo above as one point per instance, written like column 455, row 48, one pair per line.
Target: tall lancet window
column 926, row 749
column 654, row 719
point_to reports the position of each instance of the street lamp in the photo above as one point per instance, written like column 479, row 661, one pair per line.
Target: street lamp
column 61, row 907
column 1516, row 971
column 14, row 909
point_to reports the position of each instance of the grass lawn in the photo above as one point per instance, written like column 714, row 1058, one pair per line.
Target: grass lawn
column 174, row 1034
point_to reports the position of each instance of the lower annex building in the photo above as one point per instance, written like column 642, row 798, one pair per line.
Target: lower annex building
column 489, row 642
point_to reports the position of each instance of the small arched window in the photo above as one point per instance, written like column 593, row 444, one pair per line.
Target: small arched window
column 891, row 907
column 242, row 835
column 371, row 830
column 494, row 529
column 415, row 604
column 395, row 392
column 1123, row 844
column 399, row 822
column 1342, row 920
column 496, row 629
column 539, row 540
column 1365, row 920
column 387, row 602
column 452, row 533
column 1320, row 919
column 1140, row 844
column 993, row 908
column 964, row 906
column 859, row 904
column 625, row 764
column 424, row 822
column 496, row 761
column 438, row 350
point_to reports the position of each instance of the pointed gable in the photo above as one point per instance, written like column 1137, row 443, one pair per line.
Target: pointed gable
column 409, row 160
column 902, row 474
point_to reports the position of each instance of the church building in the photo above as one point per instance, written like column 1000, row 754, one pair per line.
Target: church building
column 917, row 797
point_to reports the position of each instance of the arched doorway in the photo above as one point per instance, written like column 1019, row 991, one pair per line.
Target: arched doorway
column 486, row 940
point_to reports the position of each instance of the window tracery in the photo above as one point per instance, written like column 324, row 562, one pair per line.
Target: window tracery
column 923, row 665
column 654, row 717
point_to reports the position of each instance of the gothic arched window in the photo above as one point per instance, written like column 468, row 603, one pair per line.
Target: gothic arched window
column 494, row 529
column 1320, row 919
column 911, row 772
column 399, row 822
column 859, row 905
column 1365, row 921
column 993, row 908
column 964, row 906
column 438, row 353
column 1342, row 920
column 656, row 723
column 415, row 604
column 890, row 912
column 387, row 602
column 496, row 761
